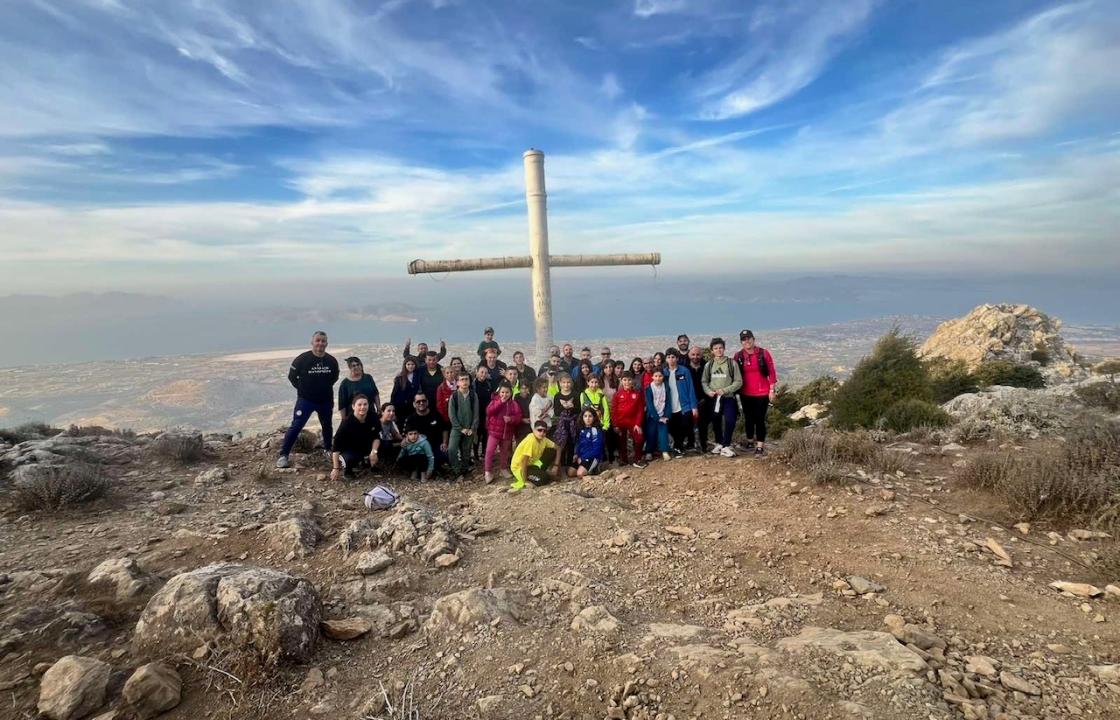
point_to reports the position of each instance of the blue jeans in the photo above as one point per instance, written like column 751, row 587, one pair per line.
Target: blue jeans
column 301, row 415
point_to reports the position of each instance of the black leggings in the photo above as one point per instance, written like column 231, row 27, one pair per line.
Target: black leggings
column 754, row 416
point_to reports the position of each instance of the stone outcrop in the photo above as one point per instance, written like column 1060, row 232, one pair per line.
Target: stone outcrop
column 152, row 690
column 268, row 612
column 1017, row 333
column 475, row 607
column 1018, row 412
column 73, row 687
column 123, row 577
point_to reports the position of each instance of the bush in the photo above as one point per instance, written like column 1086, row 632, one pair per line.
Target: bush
column 828, row 473
column 778, row 423
column 1111, row 368
column 892, row 372
column 1005, row 372
column 28, row 431
column 1041, row 356
column 950, row 378
column 306, row 442
column 905, row 415
column 183, row 448
column 987, row 471
column 857, row 447
column 54, row 488
column 1104, row 395
column 821, row 390
column 98, row 431
column 890, row 462
column 785, row 400
column 805, row 447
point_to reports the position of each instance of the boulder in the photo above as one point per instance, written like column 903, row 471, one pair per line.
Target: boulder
column 1018, row 333
column 268, row 612
column 213, row 476
column 468, row 608
column 863, row 586
column 356, row 536
column 596, row 620
column 153, row 689
column 864, row 647
column 371, row 563
column 346, row 629
column 297, row 535
column 1018, row 412
column 813, row 411
column 73, row 687
column 123, row 576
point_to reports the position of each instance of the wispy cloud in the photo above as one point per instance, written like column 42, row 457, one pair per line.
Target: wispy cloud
column 789, row 46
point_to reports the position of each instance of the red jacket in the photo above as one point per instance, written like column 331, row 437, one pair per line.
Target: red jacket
column 496, row 426
column 754, row 384
column 628, row 409
column 443, row 397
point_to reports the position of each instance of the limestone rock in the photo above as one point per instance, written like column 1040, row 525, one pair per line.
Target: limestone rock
column 863, row 586
column 489, row 705
column 1014, row 682
column 73, row 687
column 213, row 476
column 440, row 542
column 1108, row 673
column 298, row 534
column 356, row 535
column 910, row 634
column 123, row 575
column 475, row 606
column 1018, row 412
column 1084, row 590
column 596, row 620
column 272, row 613
column 981, row 665
column 814, row 411
column 371, row 563
column 864, row 647
column 1018, row 333
column 153, row 689
column 702, row 660
column 346, row 629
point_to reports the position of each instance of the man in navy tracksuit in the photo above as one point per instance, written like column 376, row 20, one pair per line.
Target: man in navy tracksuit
column 313, row 375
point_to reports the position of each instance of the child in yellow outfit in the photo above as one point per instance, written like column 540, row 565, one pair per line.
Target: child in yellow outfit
column 535, row 459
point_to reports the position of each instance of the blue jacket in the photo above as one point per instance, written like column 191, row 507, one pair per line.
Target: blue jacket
column 589, row 445
column 420, row 447
column 651, row 409
column 685, row 389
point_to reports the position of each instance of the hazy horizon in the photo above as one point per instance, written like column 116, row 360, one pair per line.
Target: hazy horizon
column 59, row 329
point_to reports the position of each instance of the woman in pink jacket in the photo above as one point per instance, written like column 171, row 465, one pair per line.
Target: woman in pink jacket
column 503, row 415
column 760, row 380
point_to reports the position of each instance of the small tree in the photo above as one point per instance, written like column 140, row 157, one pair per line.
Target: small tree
column 950, row 378
column 892, row 372
column 1111, row 368
column 1005, row 372
column 820, row 390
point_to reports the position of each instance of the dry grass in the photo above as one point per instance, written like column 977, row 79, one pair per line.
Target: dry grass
column 823, row 453
column 306, row 442
column 987, row 470
column 183, row 448
column 57, row 488
column 27, row 431
column 828, row 473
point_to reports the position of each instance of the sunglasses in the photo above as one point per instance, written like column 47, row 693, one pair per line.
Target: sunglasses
column 538, row 430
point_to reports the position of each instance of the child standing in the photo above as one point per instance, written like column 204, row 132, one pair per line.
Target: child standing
column 628, row 411
column 502, row 417
column 417, row 458
column 657, row 416
column 463, row 410
column 524, row 397
column 721, row 381
column 540, row 405
column 596, row 399
column 566, row 411
column 487, row 343
column 682, row 400
column 483, row 392
column 589, row 446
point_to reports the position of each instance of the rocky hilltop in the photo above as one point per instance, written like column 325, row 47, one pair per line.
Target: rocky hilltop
column 1018, row 333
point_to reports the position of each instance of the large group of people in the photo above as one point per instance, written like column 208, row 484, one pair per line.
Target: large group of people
column 572, row 416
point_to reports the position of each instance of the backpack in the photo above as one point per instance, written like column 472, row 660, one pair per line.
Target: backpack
column 455, row 397
column 763, row 366
column 381, row 498
column 585, row 402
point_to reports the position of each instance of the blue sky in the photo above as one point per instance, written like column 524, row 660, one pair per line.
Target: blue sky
column 169, row 144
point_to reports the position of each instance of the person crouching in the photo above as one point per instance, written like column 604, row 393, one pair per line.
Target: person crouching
column 589, row 446
column 416, row 458
column 357, row 441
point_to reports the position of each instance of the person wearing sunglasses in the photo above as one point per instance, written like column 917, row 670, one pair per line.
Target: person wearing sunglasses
column 536, row 459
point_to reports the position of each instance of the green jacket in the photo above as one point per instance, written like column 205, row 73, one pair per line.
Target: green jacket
column 463, row 413
column 724, row 376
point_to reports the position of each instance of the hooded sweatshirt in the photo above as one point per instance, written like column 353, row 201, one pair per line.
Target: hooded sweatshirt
column 443, row 395
column 496, row 411
column 597, row 400
column 420, row 447
column 721, row 375
column 589, row 445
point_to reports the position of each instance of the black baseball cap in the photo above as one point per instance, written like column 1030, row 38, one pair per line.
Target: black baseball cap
column 353, row 360
column 746, row 335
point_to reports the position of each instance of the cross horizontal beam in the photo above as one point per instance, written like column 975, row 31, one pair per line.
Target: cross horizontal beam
column 417, row 267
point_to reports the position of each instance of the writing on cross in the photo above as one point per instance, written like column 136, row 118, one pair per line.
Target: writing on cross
column 538, row 260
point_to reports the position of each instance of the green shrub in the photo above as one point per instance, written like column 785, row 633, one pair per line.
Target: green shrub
column 55, row 488
column 1105, row 395
column 821, row 390
column 950, row 378
column 892, row 372
column 1041, row 356
column 785, row 400
column 905, row 415
column 890, row 461
column 1111, row 368
column 98, row 431
column 1005, row 372
column 28, row 431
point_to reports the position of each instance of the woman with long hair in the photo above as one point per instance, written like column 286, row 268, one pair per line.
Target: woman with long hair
column 406, row 385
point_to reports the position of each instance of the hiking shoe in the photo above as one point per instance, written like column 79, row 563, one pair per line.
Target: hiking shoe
column 639, row 465
column 677, row 452
column 727, row 452
column 717, row 449
column 759, row 451
column 283, row 462
column 489, row 478
column 516, row 486
column 666, row 456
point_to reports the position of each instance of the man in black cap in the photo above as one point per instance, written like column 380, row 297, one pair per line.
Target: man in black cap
column 356, row 382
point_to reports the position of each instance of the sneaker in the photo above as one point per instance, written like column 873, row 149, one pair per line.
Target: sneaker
column 717, row 449
column 414, row 475
column 517, row 486
column 647, row 457
column 677, row 452
column 727, row 452
column 283, row 462
column 759, row 451
column 489, row 477
column 666, row 456
column 639, row 465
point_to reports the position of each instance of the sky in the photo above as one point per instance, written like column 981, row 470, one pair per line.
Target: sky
column 163, row 146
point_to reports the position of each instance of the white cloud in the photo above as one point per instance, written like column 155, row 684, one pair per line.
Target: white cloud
column 788, row 48
column 649, row 8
